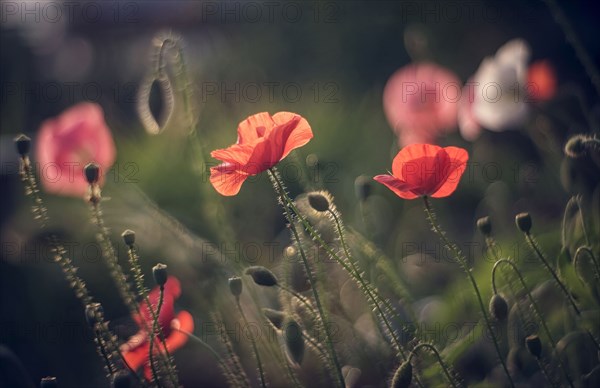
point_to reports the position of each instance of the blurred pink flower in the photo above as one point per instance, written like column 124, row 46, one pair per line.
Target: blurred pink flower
column 420, row 102
column 66, row 143
column 496, row 97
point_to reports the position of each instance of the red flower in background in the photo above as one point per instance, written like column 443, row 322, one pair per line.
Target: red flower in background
column 137, row 349
column 263, row 141
column 542, row 80
column 425, row 170
column 68, row 142
column 420, row 102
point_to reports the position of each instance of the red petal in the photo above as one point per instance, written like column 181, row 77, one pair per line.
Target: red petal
column 227, row 179
column 185, row 322
column 300, row 134
column 399, row 187
column 136, row 358
column 236, row 155
column 422, row 167
column 254, row 127
column 455, row 168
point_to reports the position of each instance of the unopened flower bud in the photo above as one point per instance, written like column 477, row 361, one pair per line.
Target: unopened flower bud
column 485, row 226
column 498, row 307
column 523, row 221
column 534, row 345
column 92, row 312
column 235, row 286
column 128, row 237
column 262, row 276
column 48, row 382
column 294, row 340
column 121, row 380
column 318, row 202
column 576, row 146
column 403, row 376
column 362, row 187
column 92, row 172
column 159, row 271
column 23, row 144
column 275, row 317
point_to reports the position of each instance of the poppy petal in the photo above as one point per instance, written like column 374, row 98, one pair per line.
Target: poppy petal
column 422, row 166
column 400, row 188
column 299, row 136
column 137, row 357
column 227, row 179
column 237, row 155
column 254, row 127
column 184, row 322
column 457, row 165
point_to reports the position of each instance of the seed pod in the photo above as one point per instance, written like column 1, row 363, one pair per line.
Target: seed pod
column 235, row 286
column 275, row 317
column 128, row 237
column 23, row 144
column 262, row 276
column 498, row 307
column 534, row 345
column 485, row 226
column 48, row 382
column 294, row 341
column 92, row 172
column 523, row 221
column 318, row 202
column 159, row 271
column 403, row 376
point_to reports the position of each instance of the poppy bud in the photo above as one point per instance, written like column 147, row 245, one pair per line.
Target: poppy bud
column 92, row 311
column 403, row 376
column 92, row 172
column 485, row 226
column 23, row 144
column 498, row 307
column 534, row 345
column 235, row 286
column 159, row 271
column 318, row 202
column 262, row 276
column 275, row 317
column 576, row 147
column 523, row 221
column 294, row 340
column 48, row 382
column 362, row 187
column 121, row 380
column 129, row 237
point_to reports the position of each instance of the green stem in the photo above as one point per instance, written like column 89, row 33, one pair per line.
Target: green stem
column 463, row 264
column 533, row 304
column 439, row 358
column 254, row 348
column 301, row 298
column 286, row 202
column 155, row 328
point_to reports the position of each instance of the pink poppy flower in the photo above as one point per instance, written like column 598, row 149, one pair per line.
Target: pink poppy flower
column 66, row 143
column 420, row 102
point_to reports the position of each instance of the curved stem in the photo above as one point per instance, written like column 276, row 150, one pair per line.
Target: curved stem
column 562, row 286
column 254, row 348
column 533, row 304
column 439, row 358
column 462, row 262
column 286, row 203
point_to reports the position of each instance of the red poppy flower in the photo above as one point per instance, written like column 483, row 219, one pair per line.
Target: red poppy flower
column 263, row 141
column 541, row 80
column 68, row 142
column 425, row 170
column 137, row 349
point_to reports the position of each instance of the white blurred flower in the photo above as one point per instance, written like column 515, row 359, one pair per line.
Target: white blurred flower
column 496, row 97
